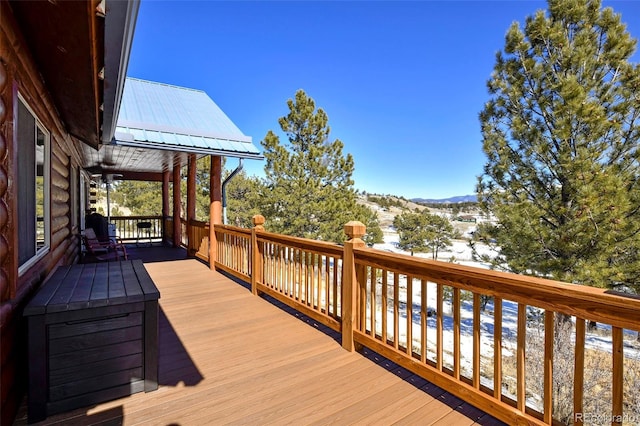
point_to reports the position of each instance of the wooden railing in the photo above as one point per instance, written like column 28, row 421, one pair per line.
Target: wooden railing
column 199, row 240
column 303, row 274
column 234, row 251
column 127, row 227
column 516, row 347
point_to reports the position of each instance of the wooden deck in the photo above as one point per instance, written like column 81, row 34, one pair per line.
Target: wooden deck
column 227, row 357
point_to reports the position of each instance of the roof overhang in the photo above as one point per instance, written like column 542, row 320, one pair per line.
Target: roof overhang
column 120, row 22
column 188, row 149
column 129, row 157
column 82, row 55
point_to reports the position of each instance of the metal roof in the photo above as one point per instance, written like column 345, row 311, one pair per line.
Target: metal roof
column 162, row 116
column 159, row 124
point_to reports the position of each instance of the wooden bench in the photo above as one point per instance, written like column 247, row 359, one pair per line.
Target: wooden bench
column 93, row 336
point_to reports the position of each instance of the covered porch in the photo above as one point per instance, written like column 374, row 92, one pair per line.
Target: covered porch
column 228, row 357
column 161, row 131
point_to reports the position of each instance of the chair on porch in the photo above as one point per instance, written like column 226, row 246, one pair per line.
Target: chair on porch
column 103, row 250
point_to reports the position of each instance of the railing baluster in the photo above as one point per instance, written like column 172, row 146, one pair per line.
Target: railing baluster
column 522, row 336
column 287, row 271
column 549, row 330
column 298, row 274
column 309, row 288
column 303, row 276
column 277, row 269
column 292, row 272
column 396, row 310
column 319, row 289
column 497, row 348
column 312, row 279
column 456, row 332
column 327, row 283
column 409, row 311
column 238, row 254
column 335, row 287
column 232, row 249
column 309, row 295
column 282, row 271
column 274, row 265
column 301, row 271
column 439, row 327
column 617, row 376
column 476, row 340
column 385, row 305
column 374, row 307
column 363, row 278
column 266, row 277
column 423, row 320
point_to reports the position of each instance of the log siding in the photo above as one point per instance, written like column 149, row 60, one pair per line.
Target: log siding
column 19, row 74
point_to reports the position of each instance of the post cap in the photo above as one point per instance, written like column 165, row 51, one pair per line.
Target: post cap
column 355, row 229
column 258, row 220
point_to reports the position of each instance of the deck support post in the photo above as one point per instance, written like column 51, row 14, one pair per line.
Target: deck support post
column 256, row 253
column 165, row 205
column 192, row 246
column 215, row 206
column 177, row 228
column 355, row 231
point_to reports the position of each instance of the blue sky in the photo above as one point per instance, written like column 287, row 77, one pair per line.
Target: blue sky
column 401, row 82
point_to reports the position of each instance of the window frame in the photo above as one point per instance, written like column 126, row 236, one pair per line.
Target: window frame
column 40, row 252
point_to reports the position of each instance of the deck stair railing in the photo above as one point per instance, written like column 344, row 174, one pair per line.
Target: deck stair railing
column 519, row 348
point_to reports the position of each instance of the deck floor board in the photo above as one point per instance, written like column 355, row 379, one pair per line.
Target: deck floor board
column 227, row 357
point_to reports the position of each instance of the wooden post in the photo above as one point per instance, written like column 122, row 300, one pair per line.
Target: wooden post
column 256, row 253
column 192, row 246
column 165, row 204
column 177, row 229
column 355, row 231
column 215, row 206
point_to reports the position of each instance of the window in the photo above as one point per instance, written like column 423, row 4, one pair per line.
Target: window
column 33, row 187
column 74, row 185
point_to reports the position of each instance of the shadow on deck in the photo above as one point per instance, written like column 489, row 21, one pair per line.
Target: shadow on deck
column 227, row 357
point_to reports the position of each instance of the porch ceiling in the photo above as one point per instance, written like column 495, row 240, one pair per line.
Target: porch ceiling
column 117, row 159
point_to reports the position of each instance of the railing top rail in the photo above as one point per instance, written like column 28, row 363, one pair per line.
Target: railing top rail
column 607, row 306
column 323, row 247
column 144, row 217
column 234, row 229
column 199, row 223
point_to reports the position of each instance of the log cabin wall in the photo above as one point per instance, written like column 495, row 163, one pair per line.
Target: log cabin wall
column 19, row 74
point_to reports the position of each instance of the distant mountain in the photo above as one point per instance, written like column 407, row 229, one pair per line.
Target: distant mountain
column 458, row 199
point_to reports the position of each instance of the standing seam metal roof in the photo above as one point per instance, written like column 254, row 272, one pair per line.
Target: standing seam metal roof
column 177, row 118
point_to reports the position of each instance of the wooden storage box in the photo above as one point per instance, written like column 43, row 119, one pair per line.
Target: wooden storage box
column 93, row 336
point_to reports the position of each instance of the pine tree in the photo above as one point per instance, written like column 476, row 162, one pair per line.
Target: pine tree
column 561, row 133
column 245, row 195
column 141, row 197
column 423, row 231
column 308, row 186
